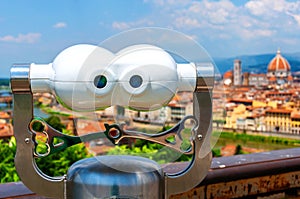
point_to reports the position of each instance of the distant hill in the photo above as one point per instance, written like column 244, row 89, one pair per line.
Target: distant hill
column 4, row 82
column 257, row 63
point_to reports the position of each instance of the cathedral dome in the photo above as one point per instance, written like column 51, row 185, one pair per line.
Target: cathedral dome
column 279, row 70
column 228, row 75
column 228, row 78
column 279, row 63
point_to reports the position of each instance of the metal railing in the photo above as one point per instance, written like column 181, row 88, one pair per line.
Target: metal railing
column 260, row 175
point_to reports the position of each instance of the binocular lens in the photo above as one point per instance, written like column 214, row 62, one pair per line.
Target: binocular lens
column 136, row 81
column 100, row 81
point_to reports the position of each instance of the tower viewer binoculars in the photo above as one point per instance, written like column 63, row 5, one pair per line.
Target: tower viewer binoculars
column 84, row 78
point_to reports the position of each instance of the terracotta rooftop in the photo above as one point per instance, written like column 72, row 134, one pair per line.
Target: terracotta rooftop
column 228, row 75
column 4, row 115
column 241, row 100
column 290, row 78
column 242, row 89
column 272, row 79
column 176, row 105
column 279, row 93
column 295, row 115
column 6, row 130
column 257, row 75
column 276, row 110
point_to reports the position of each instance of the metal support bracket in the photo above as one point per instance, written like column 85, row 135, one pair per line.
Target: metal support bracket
column 114, row 132
column 25, row 163
column 202, row 110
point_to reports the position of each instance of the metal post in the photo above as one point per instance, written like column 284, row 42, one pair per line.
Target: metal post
column 25, row 164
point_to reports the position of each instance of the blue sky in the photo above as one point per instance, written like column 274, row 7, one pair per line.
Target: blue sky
column 36, row 31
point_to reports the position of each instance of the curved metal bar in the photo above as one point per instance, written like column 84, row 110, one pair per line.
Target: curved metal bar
column 25, row 164
column 200, row 164
column 161, row 138
column 51, row 134
column 120, row 133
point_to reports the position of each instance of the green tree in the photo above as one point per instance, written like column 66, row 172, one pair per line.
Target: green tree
column 58, row 164
column 238, row 150
column 55, row 123
column 53, row 165
column 153, row 151
column 8, row 171
column 216, row 152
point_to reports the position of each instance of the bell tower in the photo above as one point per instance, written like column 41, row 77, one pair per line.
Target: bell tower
column 237, row 72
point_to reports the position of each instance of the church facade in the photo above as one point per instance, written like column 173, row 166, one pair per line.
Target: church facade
column 279, row 70
column 278, row 73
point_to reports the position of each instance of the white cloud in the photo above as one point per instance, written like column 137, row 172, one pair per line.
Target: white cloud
column 271, row 8
column 187, row 22
column 167, row 2
column 60, row 25
column 255, row 24
column 250, row 34
column 22, row 38
column 262, row 17
column 157, row 2
column 120, row 25
column 257, row 7
column 296, row 17
column 127, row 25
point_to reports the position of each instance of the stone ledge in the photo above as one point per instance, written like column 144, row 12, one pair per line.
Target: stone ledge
column 241, row 176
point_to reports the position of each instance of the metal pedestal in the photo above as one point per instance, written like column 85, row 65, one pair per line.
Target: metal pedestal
column 115, row 177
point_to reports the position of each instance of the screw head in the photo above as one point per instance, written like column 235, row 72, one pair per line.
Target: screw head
column 199, row 137
column 27, row 140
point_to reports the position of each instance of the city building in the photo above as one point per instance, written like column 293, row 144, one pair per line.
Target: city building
column 279, row 70
column 180, row 106
column 228, row 78
column 258, row 80
column 295, row 122
column 237, row 73
column 278, row 120
column 246, row 76
column 263, row 102
column 236, row 116
column 6, row 128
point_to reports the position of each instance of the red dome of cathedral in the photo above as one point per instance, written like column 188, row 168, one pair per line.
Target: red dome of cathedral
column 279, row 70
column 228, row 75
column 228, row 78
column 279, row 63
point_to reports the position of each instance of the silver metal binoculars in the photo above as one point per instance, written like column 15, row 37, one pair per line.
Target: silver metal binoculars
column 88, row 78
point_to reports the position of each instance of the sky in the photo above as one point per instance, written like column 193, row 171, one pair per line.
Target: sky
column 36, row 31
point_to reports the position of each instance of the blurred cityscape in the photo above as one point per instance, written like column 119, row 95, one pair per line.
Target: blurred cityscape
column 266, row 102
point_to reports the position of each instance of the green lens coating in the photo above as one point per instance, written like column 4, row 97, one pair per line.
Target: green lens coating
column 100, row 81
